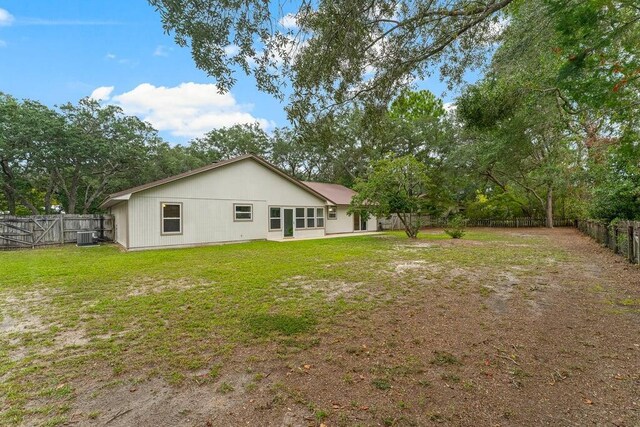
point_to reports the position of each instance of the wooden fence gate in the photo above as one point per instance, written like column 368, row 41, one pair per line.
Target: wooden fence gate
column 40, row 230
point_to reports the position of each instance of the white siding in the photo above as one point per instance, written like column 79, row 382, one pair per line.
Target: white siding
column 119, row 213
column 299, row 233
column 372, row 224
column 344, row 222
column 207, row 206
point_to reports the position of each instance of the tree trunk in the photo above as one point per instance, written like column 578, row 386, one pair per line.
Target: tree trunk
column 549, row 207
column 8, row 196
column 409, row 229
column 27, row 204
column 49, row 195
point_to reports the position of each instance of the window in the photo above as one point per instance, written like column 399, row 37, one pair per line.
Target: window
column 171, row 218
column 311, row 218
column 320, row 217
column 299, row 217
column 333, row 212
column 275, row 221
column 243, row 212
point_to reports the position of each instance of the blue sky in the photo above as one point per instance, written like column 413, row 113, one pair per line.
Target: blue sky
column 60, row 51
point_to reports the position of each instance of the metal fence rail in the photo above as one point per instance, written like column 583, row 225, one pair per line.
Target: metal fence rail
column 41, row 230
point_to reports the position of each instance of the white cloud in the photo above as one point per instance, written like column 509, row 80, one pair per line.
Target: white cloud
column 3, row 43
column 6, row 18
column 498, row 26
column 102, row 93
column 187, row 110
column 289, row 21
column 122, row 61
column 231, row 50
column 450, row 107
column 161, row 51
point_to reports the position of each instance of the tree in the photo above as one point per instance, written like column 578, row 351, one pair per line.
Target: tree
column 525, row 146
column 28, row 133
column 100, row 145
column 333, row 52
column 225, row 143
column 399, row 186
column 295, row 155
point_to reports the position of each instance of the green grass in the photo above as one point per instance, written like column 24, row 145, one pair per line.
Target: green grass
column 442, row 358
column 173, row 312
column 266, row 324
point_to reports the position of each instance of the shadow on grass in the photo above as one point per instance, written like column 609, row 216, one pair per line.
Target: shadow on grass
column 262, row 325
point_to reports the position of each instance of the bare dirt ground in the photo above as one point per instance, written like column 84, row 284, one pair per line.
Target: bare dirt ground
column 555, row 343
column 556, row 348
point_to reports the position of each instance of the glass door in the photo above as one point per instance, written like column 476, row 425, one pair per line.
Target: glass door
column 288, row 222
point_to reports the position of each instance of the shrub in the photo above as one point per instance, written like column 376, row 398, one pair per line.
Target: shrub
column 456, row 227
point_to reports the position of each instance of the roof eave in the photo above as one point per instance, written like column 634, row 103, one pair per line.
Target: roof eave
column 112, row 201
column 115, row 198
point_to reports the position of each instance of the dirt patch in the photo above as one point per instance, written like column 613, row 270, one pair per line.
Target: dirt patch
column 148, row 287
column 332, row 289
column 27, row 333
column 148, row 402
column 543, row 342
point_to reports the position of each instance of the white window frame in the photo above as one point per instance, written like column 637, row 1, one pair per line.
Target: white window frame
column 320, row 217
column 334, row 212
column 236, row 212
column 162, row 218
column 279, row 217
column 310, row 218
column 296, row 218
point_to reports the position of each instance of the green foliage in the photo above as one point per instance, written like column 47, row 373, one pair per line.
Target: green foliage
column 337, row 52
column 495, row 205
column 399, row 186
column 456, row 227
column 414, row 106
column 225, row 143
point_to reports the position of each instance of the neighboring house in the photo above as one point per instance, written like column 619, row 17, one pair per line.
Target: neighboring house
column 240, row 199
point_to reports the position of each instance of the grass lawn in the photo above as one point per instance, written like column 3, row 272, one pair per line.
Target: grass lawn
column 357, row 330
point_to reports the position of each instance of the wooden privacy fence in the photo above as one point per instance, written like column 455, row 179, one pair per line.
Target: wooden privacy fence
column 622, row 237
column 41, row 230
column 394, row 223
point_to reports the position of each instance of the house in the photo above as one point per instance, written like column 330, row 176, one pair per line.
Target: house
column 240, row 199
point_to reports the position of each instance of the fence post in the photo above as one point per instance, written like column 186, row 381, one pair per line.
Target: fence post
column 615, row 239
column 637, row 231
column 630, row 243
column 62, row 229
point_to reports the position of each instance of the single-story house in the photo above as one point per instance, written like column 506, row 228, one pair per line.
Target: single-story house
column 240, row 199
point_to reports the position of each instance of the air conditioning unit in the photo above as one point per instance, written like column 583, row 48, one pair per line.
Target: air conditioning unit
column 87, row 238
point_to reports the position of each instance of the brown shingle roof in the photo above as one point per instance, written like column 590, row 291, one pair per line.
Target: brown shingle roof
column 110, row 200
column 339, row 194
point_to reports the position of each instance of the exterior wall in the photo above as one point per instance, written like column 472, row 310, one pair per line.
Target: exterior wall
column 207, row 207
column 344, row 222
column 372, row 224
column 299, row 233
column 119, row 213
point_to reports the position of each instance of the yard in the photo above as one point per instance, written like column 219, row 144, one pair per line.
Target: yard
column 505, row 327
